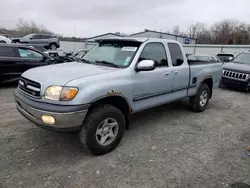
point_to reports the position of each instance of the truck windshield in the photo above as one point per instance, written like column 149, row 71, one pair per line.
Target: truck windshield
column 118, row 53
column 242, row 58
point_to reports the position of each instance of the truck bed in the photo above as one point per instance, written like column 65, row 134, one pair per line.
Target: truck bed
column 197, row 62
column 200, row 70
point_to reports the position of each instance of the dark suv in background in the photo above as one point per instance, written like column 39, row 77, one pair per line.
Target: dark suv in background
column 236, row 74
column 47, row 40
column 17, row 58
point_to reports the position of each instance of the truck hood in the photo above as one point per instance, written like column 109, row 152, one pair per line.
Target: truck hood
column 237, row 67
column 60, row 74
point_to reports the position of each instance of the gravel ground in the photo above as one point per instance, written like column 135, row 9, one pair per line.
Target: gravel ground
column 167, row 146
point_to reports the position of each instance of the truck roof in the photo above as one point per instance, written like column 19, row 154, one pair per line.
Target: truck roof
column 134, row 39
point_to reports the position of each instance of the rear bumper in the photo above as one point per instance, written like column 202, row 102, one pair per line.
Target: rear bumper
column 65, row 120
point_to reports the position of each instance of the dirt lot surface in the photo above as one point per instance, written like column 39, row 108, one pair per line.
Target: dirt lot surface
column 165, row 147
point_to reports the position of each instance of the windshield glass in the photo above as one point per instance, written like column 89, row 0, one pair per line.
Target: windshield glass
column 80, row 53
column 242, row 58
column 119, row 53
column 28, row 36
column 225, row 57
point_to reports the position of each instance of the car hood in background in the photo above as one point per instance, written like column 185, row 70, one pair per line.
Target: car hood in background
column 61, row 74
column 237, row 67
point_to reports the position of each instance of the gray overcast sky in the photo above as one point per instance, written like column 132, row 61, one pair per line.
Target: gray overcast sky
column 93, row 17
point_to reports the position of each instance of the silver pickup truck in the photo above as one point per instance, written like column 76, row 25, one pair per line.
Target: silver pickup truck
column 116, row 78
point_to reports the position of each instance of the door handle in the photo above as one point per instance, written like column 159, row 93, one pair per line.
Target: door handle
column 176, row 72
column 167, row 73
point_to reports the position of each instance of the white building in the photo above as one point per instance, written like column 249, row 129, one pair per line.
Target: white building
column 91, row 41
column 156, row 34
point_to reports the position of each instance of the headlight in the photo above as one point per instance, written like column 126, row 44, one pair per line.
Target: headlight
column 60, row 93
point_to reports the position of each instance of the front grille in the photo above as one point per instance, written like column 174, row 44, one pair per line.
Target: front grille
column 30, row 87
column 235, row 75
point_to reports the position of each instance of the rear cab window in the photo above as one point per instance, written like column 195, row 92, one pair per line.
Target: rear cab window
column 176, row 54
column 7, row 51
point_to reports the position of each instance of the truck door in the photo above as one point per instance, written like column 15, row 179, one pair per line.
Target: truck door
column 153, row 84
column 180, row 68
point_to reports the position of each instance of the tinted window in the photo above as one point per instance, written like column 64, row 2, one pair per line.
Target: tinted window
column 27, row 53
column 155, row 52
column 225, row 57
column 6, row 51
column 52, row 36
column 176, row 54
column 36, row 37
column 45, row 37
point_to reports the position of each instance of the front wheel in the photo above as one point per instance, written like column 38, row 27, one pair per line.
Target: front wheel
column 102, row 130
column 199, row 102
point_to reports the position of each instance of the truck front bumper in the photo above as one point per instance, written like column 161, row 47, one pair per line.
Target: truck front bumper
column 237, row 84
column 66, row 118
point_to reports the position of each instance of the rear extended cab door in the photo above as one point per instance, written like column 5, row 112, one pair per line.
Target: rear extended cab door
column 180, row 69
column 11, row 67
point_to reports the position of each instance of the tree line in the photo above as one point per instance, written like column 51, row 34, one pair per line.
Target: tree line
column 223, row 32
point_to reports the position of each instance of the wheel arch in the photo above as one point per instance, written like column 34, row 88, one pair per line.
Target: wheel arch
column 208, row 80
column 119, row 101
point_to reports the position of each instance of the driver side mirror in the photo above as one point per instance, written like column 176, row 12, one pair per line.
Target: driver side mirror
column 45, row 58
column 145, row 65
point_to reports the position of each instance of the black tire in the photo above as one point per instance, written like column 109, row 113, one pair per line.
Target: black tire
column 194, row 101
column 97, row 115
column 2, row 41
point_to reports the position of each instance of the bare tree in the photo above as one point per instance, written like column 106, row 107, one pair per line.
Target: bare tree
column 176, row 30
column 26, row 27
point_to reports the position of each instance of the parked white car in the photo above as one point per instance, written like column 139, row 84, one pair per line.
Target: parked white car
column 4, row 39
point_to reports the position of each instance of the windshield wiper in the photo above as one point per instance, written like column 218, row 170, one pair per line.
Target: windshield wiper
column 238, row 62
column 86, row 61
column 108, row 63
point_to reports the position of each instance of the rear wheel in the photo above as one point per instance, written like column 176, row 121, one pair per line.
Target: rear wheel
column 199, row 102
column 102, row 129
column 2, row 41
